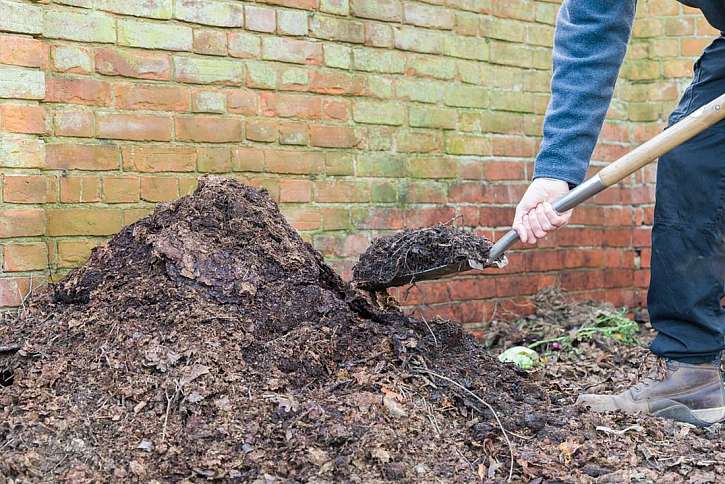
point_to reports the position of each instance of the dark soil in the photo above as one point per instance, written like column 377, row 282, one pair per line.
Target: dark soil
column 209, row 341
column 400, row 256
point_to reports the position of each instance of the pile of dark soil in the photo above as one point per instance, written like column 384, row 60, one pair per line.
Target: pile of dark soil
column 396, row 259
column 208, row 340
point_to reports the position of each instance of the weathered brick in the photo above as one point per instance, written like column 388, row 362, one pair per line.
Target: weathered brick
column 503, row 29
column 339, row 56
column 209, row 12
column 432, row 117
column 208, row 102
column 134, row 96
column 159, row 188
column 244, row 45
column 291, row 50
column 333, row 28
column 431, row 66
column 512, row 101
column 338, row 163
column 72, row 59
column 21, row 222
column 133, row 63
column 20, row 17
column 208, row 71
column 517, row 9
column 380, row 165
column 332, row 136
column 375, row 60
column 214, row 159
column 293, row 134
column 261, row 130
column 374, row 112
column 28, row 189
column 74, row 252
column 260, row 19
column 243, row 102
column 378, row 34
column 78, row 91
column 295, row 191
column 333, row 81
column 121, row 189
column 247, row 159
column 210, row 42
column 21, row 83
column 431, row 16
column 427, row 167
column 511, row 54
column 82, row 221
column 293, row 162
column 80, row 189
column 289, row 105
column 210, row 129
column 337, row 7
column 134, row 127
column 21, row 50
column 418, row 141
column 338, row 109
column 21, row 152
column 467, row 96
column 292, row 22
column 73, row 123
column 83, row 26
column 299, row 4
column 261, row 75
column 158, row 158
column 468, row 145
column 155, row 35
column 23, row 118
column 292, row 78
column 31, row 256
column 387, row 10
column 339, row 191
column 419, row 40
column 160, row 9
column 65, row 156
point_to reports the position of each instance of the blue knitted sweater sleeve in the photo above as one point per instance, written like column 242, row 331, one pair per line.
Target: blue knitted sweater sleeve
column 589, row 45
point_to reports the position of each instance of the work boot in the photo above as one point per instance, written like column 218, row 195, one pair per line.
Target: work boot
column 678, row 391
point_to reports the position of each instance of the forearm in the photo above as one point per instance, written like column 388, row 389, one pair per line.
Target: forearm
column 589, row 46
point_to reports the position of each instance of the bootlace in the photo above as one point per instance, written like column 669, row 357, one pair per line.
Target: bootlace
column 655, row 375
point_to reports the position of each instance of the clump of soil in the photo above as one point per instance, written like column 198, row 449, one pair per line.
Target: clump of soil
column 396, row 259
column 208, row 340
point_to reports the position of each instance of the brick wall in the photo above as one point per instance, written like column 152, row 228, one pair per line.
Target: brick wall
column 359, row 116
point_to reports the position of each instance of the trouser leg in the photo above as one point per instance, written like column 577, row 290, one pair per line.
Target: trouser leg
column 688, row 237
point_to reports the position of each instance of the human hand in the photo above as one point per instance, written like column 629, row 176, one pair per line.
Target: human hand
column 535, row 216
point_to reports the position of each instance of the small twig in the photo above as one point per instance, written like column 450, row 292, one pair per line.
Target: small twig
column 9, row 348
column 435, row 340
column 169, row 402
column 490, row 408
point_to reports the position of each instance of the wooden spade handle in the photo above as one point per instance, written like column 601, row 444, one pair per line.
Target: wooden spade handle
column 673, row 136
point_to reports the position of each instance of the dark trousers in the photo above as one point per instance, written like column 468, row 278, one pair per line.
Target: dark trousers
column 688, row 237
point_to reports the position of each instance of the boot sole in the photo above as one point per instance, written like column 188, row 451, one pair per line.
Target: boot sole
column 681, row 413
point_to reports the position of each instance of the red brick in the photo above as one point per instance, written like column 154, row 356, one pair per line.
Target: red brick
column 83, row 221
column 78, row 91
column 513, row 146
column 151, row 97
column 427, row 216
column 332, row 136
column 337, row 109
column 13, row 291
column 133, row 63
column 243, row 102
column 159, row 189
column 342, row 191
column 261, row 130
column 210, row 129
column 32, row 256
column 74, row 123
column 335, row 82
column 295, row 162
column 503, row 170
column 29, row 189
column 25, row 51
column 134, row 127
column 121, row 189
column 299, row 191
column 288, row 105
column 80, row 189
column 214, row 159
column 210, row 42
column 23, row 118
column 247, row 159
column 303, row 218
column 21, row 222
column 63, row 156
column 293, row 134
column 160, row 158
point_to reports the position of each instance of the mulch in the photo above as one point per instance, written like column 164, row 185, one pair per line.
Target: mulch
column 209, row 341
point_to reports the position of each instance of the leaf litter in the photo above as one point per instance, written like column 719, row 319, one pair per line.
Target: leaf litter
column 209, row 341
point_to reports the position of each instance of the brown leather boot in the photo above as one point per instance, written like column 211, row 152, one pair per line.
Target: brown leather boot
column 683, row 392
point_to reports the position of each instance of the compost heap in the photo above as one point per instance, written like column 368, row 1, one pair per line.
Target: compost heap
column 208, row 340
column 404, row 254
